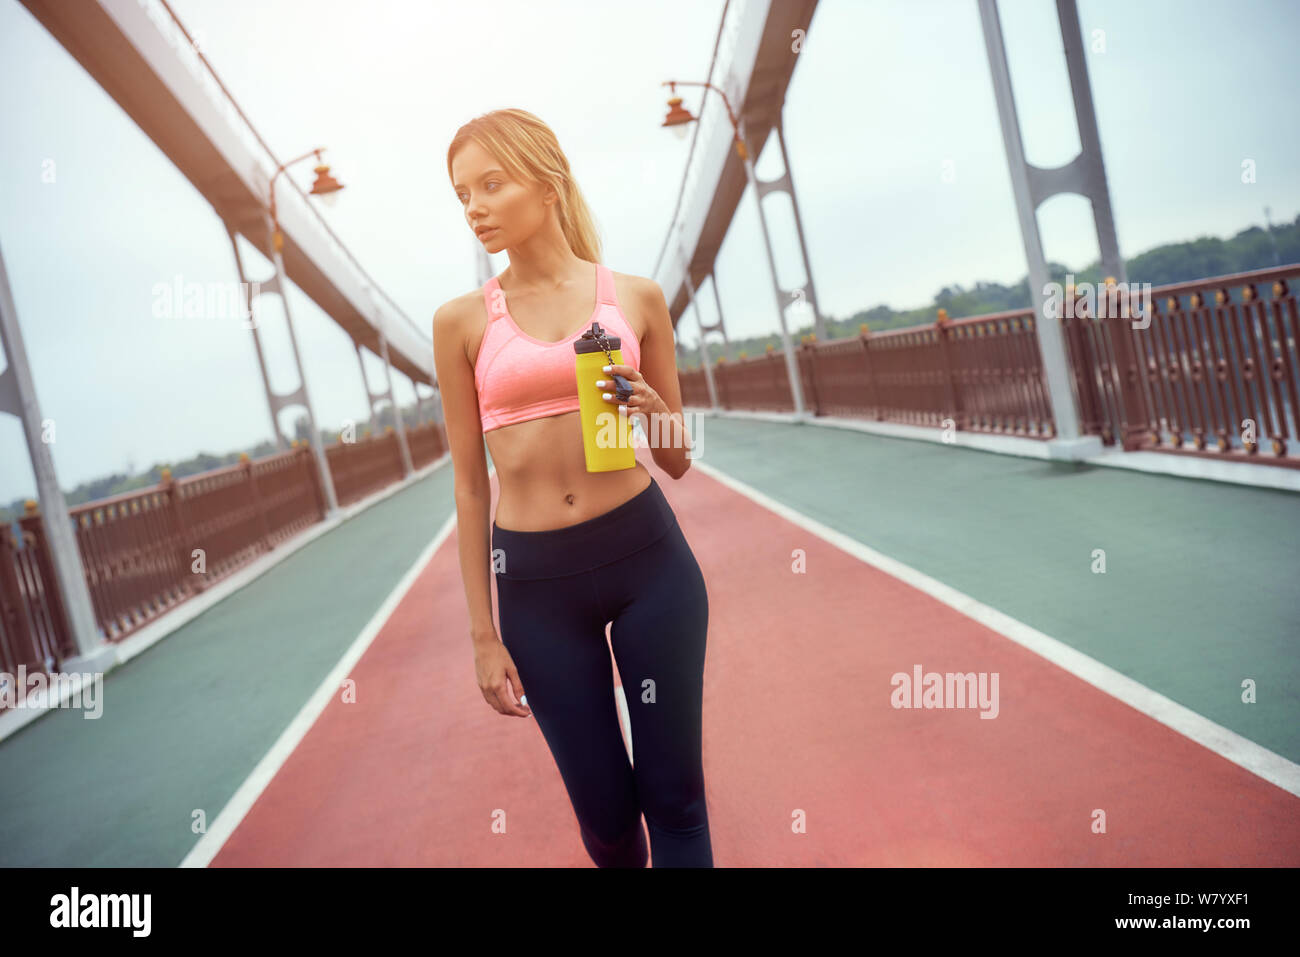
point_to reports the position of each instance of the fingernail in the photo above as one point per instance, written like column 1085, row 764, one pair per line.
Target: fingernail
column 600, row 383
column 606, row 368
column 608, row 396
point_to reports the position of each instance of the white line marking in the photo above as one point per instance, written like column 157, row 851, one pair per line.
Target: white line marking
column 237, row 807
column 169, row 622
column 1239, row 750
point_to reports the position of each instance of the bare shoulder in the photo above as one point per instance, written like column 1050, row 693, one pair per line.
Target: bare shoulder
column 646, row 306
column 456, row 319
column 457, row 311
column 638, row 287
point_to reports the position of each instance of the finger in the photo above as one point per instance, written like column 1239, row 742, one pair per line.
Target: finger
column 506, row 701
column 517, row 691
column 624, row 371
column 611, row 393
column 611, row 387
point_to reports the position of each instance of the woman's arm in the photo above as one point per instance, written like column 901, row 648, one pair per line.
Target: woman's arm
column 665, row 429
column 494, row 669
column 469, row 464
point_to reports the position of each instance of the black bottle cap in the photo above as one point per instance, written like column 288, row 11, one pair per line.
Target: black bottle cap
column 594, row 340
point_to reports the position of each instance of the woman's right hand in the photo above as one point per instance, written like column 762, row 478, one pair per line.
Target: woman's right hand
column 493, row 666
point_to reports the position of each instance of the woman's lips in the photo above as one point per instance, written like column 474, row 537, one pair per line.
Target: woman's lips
column 487, row 232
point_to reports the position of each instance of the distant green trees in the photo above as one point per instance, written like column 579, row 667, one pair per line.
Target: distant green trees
column 1175, row 262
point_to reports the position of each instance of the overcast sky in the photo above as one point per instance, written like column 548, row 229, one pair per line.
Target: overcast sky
column 885, row 93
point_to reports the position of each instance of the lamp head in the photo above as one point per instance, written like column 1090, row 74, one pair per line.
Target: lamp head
column 677, row 117
column 326, row 186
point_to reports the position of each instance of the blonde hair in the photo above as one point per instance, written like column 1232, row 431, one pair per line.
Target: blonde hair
column 528, row 149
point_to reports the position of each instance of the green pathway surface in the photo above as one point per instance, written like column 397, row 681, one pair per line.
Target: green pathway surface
column 1200, row 592
column 185, row 722
column 1202, row 583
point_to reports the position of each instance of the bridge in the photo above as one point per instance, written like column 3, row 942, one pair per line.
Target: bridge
column 1088, row 504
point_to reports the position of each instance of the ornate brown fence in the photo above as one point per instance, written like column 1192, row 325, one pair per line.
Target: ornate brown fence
column 982, row 374
column 147, row 551
column 1216, row 364
column 363, row 467
column 1213, row 363
column 34, row 632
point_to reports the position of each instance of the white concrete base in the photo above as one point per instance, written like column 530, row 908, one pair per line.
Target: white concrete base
column 1074, row 450
column 113, row 654
column 1087, row 449
column 101, row 659
column 1198, row 467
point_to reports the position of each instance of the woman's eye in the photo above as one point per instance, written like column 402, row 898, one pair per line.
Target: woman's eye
column 464, row 197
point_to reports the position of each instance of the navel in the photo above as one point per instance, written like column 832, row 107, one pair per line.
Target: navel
column 569, row 498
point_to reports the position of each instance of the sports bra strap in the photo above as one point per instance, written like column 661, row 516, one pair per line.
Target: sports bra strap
column 605, row 285
column 494, row 299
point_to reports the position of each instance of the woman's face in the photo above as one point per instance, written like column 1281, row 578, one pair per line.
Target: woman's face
column 491, row 197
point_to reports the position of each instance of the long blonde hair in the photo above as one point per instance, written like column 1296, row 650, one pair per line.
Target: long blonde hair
column 528, row 149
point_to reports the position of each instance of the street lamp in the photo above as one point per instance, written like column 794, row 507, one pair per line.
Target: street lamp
column 676, row 120
column 325, row 186
column 677, row 117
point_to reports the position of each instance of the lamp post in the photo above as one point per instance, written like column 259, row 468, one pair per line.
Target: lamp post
column 676, row 120
column 326, row 187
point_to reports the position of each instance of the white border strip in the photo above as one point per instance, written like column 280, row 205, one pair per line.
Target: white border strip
column 1226, row 743
column 242, row 800
column 1160, row 463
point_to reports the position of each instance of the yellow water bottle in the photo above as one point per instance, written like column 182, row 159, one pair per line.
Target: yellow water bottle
column 606, row 432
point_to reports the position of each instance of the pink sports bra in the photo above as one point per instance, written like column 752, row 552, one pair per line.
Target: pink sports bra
column 521, row 378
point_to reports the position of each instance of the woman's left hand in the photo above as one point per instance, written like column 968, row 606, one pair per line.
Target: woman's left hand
column 644, row 398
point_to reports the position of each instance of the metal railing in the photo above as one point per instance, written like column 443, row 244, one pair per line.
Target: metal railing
column 1215, row 365
column 1211, row 369
column 147, row 551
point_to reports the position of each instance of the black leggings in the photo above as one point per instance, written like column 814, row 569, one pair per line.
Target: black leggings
column 556, row 591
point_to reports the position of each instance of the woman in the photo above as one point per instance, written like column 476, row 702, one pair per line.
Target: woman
column 572, row 550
